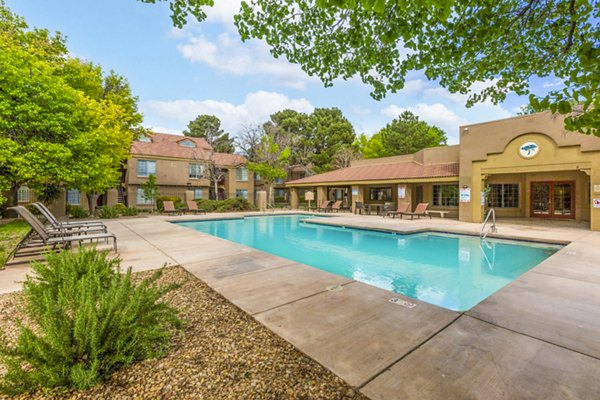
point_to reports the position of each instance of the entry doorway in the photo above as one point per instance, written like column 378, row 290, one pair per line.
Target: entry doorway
column 553, row 199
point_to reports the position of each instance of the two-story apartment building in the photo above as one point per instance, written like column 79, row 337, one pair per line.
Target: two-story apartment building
column 181, row 165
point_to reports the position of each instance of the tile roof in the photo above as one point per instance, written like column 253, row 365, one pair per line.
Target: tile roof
column 165, row 145
column 403, row 170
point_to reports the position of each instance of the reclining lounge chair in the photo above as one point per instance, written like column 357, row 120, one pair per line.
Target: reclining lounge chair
column 65, row 238
column 402, row 208
column 420, row 211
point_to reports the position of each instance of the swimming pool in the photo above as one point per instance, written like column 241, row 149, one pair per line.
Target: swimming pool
column 452, row 271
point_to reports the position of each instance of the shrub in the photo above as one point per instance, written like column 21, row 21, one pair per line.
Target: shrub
column 280, row 199
column 107, row 212
column 129, row 211
column 228, row 205
column 161, row 199
column 77, row 211
column 120, row 207
column 89, row 320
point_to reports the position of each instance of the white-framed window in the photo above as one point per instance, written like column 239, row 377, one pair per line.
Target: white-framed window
column 445, row 195
column 140, row 199
column 241, row 193
column 257, row 177
column 279, row 181
column 241, row 174
column 503, row 195
column 198, row 193
column 145, row 168
column 187, row 143
column 195, row 171
column 73, row 197
column 24, row 194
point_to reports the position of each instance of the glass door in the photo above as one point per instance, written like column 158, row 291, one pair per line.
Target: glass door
column 553, row 199
column 540, row 199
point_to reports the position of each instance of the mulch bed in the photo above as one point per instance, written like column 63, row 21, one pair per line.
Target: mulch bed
column 222, row 353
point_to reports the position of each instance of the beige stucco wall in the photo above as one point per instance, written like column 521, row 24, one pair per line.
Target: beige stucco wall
column 433, row 155
column 490, row 151
column 232, row 184
column 171, row 172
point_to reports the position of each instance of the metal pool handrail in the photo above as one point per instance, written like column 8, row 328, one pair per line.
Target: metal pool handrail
column 493, row 229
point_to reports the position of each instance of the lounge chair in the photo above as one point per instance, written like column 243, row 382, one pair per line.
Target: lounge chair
column 324, row 206
column 420, row 211
column 192, row 206
column 169, row 208
column 56, row 224
column 402, row 208
column 336, row 206
column 65, row 237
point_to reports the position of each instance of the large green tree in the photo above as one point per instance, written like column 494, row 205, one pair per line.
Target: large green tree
column 208, row 127
column 271, row 162
column 459, row 43
column 404, row 135
column 62, row 121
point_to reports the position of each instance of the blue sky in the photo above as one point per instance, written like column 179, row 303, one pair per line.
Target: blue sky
column 206, row 69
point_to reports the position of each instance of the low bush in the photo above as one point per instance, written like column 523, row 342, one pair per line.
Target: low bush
column 228, row 205
column 161, row 199
column 77, row 211
column 87, row 320
column 129, row 211
column 107, row 212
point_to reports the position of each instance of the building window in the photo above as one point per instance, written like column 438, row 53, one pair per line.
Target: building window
column 381, row 193
column 241, row 193
column 195, row 171
column 145, row 168
column 140, row 199
column 24, row 194
column 198, row 194
column 503, row 195
column 187, row 143
column 445, row 195
column 257, row 177
column 73, row 197
column 279, row 181
column 241, row 174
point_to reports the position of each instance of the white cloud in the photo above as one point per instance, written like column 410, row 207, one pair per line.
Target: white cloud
column 434, row 114
column 223, row 11
column 256, row 108
column 360, row 110
column 554, row 83
column 228, row 54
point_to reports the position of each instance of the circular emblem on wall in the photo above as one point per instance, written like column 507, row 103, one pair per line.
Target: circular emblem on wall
column 529, row 149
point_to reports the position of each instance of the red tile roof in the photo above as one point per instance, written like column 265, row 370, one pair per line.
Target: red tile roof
column 165, row 145
column 379, row 172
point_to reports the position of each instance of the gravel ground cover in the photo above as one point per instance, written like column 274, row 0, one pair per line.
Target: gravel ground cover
column 222, row 353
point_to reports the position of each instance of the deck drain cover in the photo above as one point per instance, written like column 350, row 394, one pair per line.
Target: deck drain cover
column 402, row 303
column 334, row 288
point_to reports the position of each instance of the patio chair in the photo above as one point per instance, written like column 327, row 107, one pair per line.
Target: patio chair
column 387, row 207
column 336, row 206
column 56, row 224
column 359, row 208
column 169, row 208
column 63, row 237
column 192, row 206
column 420, row 211
column 61, row 230
column 402, row 208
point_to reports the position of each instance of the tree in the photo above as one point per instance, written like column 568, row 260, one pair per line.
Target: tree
column 344, row 156
column 404, row 135
column 61, row 120
column 208, row 127
column 458, row 43
column 248, row 140
column 150, row 190
column 271, row 164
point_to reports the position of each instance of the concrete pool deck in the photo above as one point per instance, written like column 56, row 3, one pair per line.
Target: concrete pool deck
column 538, row 337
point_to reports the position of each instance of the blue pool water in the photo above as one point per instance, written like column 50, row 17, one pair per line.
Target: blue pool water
column 451, row 271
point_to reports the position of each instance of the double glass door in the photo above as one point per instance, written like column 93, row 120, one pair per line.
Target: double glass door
column 553, row 199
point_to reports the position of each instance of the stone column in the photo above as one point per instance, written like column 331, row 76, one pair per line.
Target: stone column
column 189, row 195
column 262, row 200
column 112, row 197
column 321, row 195
column 357, row 195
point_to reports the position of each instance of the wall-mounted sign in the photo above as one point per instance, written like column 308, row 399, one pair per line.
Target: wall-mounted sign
column 401, row 191
column 465, row 195
column 354, row 192
column 483, row 198
column 596, row 188
column 309, row 196
column 596, row 203
column 529, row 150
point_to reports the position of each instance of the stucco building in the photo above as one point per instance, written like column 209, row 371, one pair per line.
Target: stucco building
column 182, row 165
column 526, row 167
